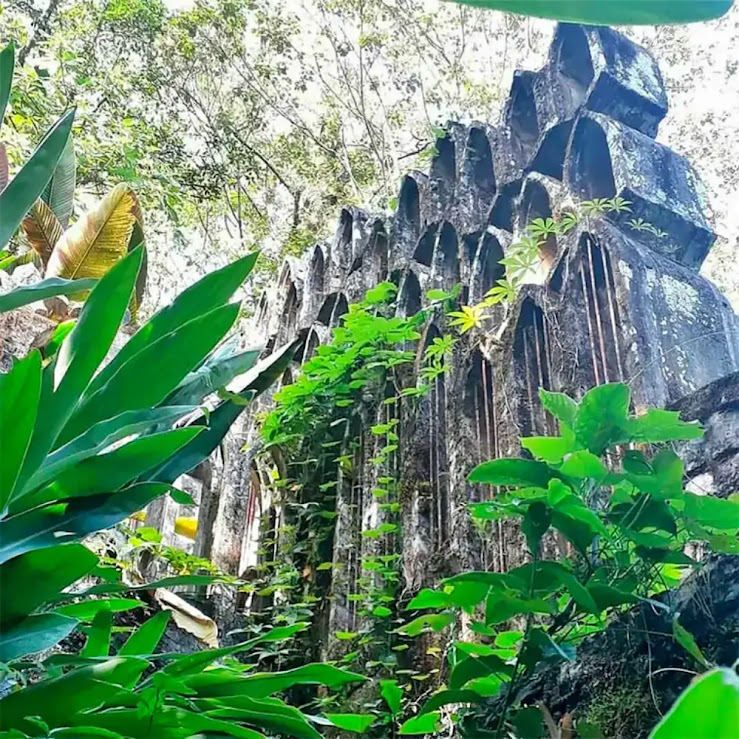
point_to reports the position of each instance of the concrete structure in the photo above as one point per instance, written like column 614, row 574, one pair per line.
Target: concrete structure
column 610, row 303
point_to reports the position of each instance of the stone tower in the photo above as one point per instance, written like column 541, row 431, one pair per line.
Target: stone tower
column 609, row 303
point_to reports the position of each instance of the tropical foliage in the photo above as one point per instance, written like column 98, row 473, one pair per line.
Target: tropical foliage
column 606, row 520
column 646, row 12
column 85, row 250
column 87, row 442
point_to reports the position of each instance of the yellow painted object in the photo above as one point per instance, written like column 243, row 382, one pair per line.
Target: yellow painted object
column 138, row 516
column 186, row 527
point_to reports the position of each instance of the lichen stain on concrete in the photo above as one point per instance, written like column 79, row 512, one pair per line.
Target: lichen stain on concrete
column 681, row 298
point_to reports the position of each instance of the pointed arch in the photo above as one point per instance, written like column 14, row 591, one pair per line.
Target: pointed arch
column 533, row 368
column 521, row 115
column 316, row 272
column 410, row 298
column 312, row 342
column 534, row 204
column 602, row 317
column 424, row 251
column 341, row 306
column 289, row 317
column 486, row 269
column 570, row 56
column 433, row 408
column 447, row 260
column 590, row 172
column 379, row 253
column 253, row 514
column 345, row 230
column 407, row 224
column 478, row 162
column 327, row 309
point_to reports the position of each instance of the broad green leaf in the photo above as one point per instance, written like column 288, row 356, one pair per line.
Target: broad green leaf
column 33, row 634
column 145, row 639
column 215, row 289
column 48, row 288
column 535, row 524
column 57, row 700
column 498, row 580
column 445, row 697
column 219, row 421
column 500, row 607
column 429, row 621
column 85, row 731
column 602, row 416
column 151, row 375
column 604, row 13
column 20, row 390
column 273, row 715
column 473, row 668
column 59, row 193
column 428, row 598
column 217, row 371
column 21, row 192
column 579, row 534
column 717, row 513
column 88, row 609
column 7, row 63
column 645, row 512
column 707, row 709
column 4, row 177
column 351, row 721
column 79, row 357
column 392, row 694
column 111, row 471
column 50, row 571
column 101, row 436
column 213, row 684
column 98, row 635
column 426, row 723
column 382, row 293
column 65, row 522
column 192, row 664
column 657, row 425
column 561, row 406
column 607, row 597
column 583, row 464
column 548, row 576
column 550, row 449
column 52, row 346
column 687, row 641
column 168, row 722
column 660, row 477
column 522, row 472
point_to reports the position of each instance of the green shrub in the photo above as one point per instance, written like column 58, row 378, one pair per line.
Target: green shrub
column 613, row 493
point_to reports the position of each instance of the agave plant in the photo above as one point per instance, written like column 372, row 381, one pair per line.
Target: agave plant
column 41, row 198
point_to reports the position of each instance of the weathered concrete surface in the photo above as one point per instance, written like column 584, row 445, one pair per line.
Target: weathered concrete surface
column 607, row 303
column 712, row 462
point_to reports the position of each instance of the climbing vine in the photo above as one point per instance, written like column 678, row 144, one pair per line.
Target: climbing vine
column 348, row 396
